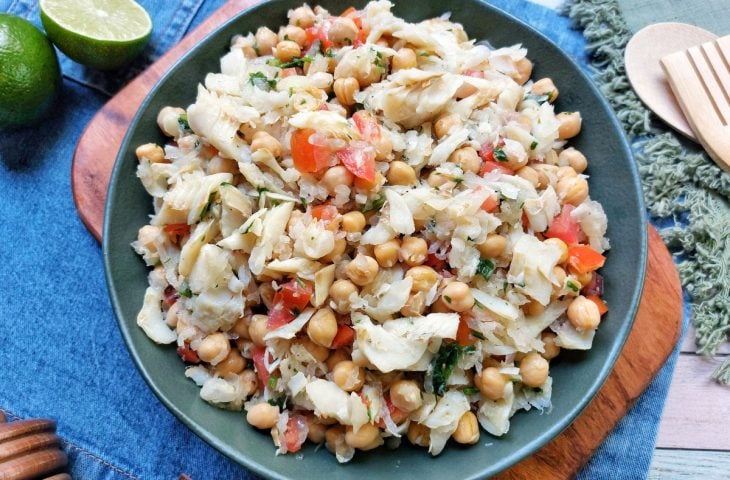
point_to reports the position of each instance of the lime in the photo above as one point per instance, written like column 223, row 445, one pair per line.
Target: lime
column 29, row 77
column 103, row 34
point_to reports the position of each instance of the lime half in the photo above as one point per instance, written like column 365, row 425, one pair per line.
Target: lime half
column 103, row 34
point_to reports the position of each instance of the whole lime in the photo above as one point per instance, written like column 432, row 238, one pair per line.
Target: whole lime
column 30, row 75
column 102, row 34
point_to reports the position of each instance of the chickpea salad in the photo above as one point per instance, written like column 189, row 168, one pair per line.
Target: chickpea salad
column 367, row 230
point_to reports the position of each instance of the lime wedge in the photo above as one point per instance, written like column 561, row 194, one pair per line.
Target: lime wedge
column 103, row 34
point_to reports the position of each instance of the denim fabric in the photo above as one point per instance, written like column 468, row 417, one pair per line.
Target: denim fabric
column 61, row 355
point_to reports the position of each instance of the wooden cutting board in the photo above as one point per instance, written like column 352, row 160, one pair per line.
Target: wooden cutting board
column 654, row 335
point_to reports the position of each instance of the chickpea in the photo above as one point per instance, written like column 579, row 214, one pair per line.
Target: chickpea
column 302, row 17
column 150, row 151
column 214, row 347
column 570, row 123
column 249, row 382
column 263, row 415
column 348, row 376
column 171, row 318
column 265, row 41
column 436, row 179
column 545, row 86
column 400, row 173
column 467, row 158
column 533, row 308
column 286, row 50
column 387, row 253
column 467, row 430
column 240, row 328
column 583, row 314
column 263, row 140
column 524, row 70
column 257, row 329
column 403, row 59
column 168, row 120
column 415, row 305
column 583, row 278
column 335, row 176
column 491, row 383
column 458, row 297
column 343, row 31
column 336, row 253
column 406, row 395
column 147, row 236
column 293, row 33
column 362, row 269
column 413, row 251
column 336, row 357
column 233, row 363
column 439, row 306
column 529, row 174
column 566, row 172
column 445, row 124
column 317, row 430
column 322, row 327
column 573, row 190
column 424, row 278
column 419, row 434
column 561, row 246
column 318, row 352
column 551, row 349
column 222, row 165
column 334, row 437
column 574, row 158
column 493, row 246
column 345, row 90
column 547, row 174
column 341, row 290
column 353, row 222
column 534, row 369
column 366, row 438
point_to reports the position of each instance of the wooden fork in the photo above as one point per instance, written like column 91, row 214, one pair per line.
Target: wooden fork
column 700, row 79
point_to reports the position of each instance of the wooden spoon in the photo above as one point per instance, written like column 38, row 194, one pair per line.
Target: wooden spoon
column 643, row 53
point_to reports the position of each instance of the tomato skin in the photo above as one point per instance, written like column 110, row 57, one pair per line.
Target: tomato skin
column 367, row 126
column 490, row 166
column 325, row 212
column 187, row 354
column 179, row 229
column 307, row 158
column 279, row 315
column 344, row 337
column 463, row 334
column 602, row 307
column 359, row 159
column 320, row 33
column 257, row 355
column 295, row 433
column 289, row 72
column 436, row 263
column 491, row 204
column 564, row 226
column 583, row 259
column 296, row 294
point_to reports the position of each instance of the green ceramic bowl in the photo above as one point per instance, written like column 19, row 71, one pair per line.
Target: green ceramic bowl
column 577, row 376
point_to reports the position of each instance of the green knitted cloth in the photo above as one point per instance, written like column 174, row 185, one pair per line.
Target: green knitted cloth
column 680, row 182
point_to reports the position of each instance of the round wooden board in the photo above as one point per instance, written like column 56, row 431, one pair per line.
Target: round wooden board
column 654, row 335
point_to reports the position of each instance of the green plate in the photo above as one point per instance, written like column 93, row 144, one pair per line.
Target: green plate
column 577, row 376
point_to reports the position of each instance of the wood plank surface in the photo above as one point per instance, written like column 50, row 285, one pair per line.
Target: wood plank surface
column 697, row 412
column 689, row 465
column 655, row 333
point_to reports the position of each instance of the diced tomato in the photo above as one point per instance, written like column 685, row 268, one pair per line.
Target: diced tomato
column 487, row 150
column 490, row 166
column 279, row 315
column 490, row 204
column 436, row 263
column 474, row 73
column 463, row 334
column 295, row 294
column 187, row 354
column 324, row 212
column 179, row 229
column 308, row 158
column 356, row 16
column 171, row 295
column 602, row 307
column 344, row 337
column 321, row 33
column 564, row 226
column 359, row 159
column 257, row 354
column 583, row 259
column 289, row 72
column 367, row 126
column 296, row 433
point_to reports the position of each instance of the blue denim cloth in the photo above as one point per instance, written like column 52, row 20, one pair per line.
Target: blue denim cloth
column 61, row 354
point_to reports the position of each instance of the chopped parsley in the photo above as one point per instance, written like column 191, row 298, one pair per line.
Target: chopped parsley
column 261, row 81
column 278, row 402
column 478, row 335
column 261, row 190
column 206, row 208
column 444, row 362
column 330, row 52
column 447, row 298
column 469, row 391
column 499, row 154
column 185, row 291
column 182, row 120
column 294, row 62
column 376, row 204
column 424, row 54
column 272, row 382
column 485, row 268
column 380, row 62
column 304, row 201
column 533, row 145
column 478, row 303
column 573, row 286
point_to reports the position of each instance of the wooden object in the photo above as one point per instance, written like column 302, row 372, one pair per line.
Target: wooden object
column 653, row 337
column 642, row 59
column 30, row 449
column 700, row 79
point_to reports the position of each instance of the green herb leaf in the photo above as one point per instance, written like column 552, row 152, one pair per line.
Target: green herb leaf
column 261, row 81
column 469, row 391
column 424, row 54
column 206, row 208
column 182, row 120
column 272, row 382
column 533, row 145
column 444, row 362
column 499, row 154
column 278, row 402
column 300, row 282
column 485, row 268
column 447, row 298
column 573, row 286
column 330, row 52
column 376, row 204
column 185, row 291
column 304, row 201
column 478, row 303
column 296, row 62
column 380, row 62
column 478, row 335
